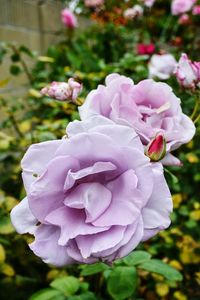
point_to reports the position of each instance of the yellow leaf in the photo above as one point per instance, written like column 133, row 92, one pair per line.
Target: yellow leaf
column 25, row 126
column 34, row 93
column 7, row 270
column 197, row 274
column 162, row 289
column 176, row 264
column 2, row 254
column 46, row 59
column 192, row 158
column 179, row 296
column 190, row 145
column 67, row 69
column 4, row 82
column 10, row 202
column 195, row 215
column 177, row 199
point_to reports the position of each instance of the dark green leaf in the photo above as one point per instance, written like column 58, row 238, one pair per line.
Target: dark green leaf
column 68, row 285
column 122, row 282
column 136, row 257
column 15, row 70
column 85, row 296
column 93, row 269
column 158, row 266
column 47, row 294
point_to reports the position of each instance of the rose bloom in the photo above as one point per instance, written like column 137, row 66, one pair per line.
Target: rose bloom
column 149, row 3
column 92, row 197
column 63, row 91
column 143, row 49
column 94, row 3
column 68, row 18
column 149, row 108
column 135, row 11
column 161, row 66
column 188, row 72
column 181, row 6
column 196, row 10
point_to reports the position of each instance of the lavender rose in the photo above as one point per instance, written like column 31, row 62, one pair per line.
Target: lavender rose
column 93, row 196
column 149, row 108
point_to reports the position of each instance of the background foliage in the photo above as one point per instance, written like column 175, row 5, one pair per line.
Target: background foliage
column 109, row 44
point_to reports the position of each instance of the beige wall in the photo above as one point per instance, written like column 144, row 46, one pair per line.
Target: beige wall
column 33, row 23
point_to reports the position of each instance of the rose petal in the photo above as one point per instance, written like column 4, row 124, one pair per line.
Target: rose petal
column 22, row 218
column 46, row 246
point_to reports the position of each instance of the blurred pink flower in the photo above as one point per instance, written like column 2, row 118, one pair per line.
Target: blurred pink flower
column 187, row 72
column 196, row 10
column 94, row 3
column 143, row 49
column 135, row 11
column 181, row 6
column 184, row 19
column 63, row 91
column 68, row 18
column 149, row 3
column 161, row 66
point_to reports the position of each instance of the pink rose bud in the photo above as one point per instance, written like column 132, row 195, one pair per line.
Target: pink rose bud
column 196, row 10
column 68, row 18
column 156, row 149
column 63, row 91
column 187, row 72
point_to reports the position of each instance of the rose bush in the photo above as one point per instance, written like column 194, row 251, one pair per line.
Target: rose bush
column 93, row 196
column 148, row 107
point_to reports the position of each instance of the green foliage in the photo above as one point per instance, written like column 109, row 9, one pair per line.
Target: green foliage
column 122, row 282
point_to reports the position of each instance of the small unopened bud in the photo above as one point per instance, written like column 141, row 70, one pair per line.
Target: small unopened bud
column 63, row 91
column 156, row 149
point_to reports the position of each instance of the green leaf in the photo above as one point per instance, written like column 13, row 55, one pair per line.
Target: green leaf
column 47, row 294
column 85, row 296
column 122, row 282
column 136, row 257
column 68, row 285
column 158, row 266
column 26, row 51
column 15, row 70
column 94, row 269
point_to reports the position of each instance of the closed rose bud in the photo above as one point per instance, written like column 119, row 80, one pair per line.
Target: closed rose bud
column 187, row 72
column 156, row 149
column 63, row 91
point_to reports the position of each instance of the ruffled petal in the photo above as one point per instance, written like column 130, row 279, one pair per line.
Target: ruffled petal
column 36, row 159
column 46, row 246
column 72, row 223
column 22, row 218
